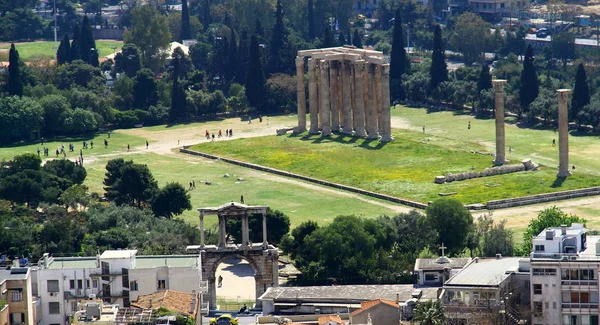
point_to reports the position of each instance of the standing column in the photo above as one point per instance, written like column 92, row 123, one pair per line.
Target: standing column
column 313, row 97
column 347, row 97
column 378, row 110
column 245, row 232
column 222, row 232
column 325, row 109
column 371, row 109
column 499, row 108
column 563, row 133
column 359, row 111
column 334, row 73
column 201, row 229
column 264, row 224
column 386, row 114
column 300, row 95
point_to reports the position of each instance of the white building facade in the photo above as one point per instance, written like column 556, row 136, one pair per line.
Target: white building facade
column 116, row 277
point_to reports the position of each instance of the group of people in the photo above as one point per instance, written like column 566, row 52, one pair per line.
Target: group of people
column 228, row 133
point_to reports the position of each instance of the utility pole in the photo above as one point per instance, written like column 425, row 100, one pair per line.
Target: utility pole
column 55, row 27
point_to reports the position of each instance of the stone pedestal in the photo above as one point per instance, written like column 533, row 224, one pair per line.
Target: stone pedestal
column 359, row 91
column 347, row 97
column 325, row 109
column 499, row 109
column 313, row 96
column 300, row 95
column 371, row 115
column 386, row 115
column 563, row 133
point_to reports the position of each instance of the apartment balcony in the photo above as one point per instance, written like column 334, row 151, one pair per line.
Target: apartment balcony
column 579, row 306
column 75, row 294
column 204, row 308
column 585, row 283
column 204, row 287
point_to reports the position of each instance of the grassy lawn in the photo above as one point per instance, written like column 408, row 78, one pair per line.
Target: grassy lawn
column 298, row 202
column 45, row 49
column 407, row 166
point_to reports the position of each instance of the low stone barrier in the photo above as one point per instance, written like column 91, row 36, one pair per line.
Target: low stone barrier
column 385, row 197
column 542, row 198
column 525, row 165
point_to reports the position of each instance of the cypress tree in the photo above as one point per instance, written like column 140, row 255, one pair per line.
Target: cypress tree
column 356, row 40
column 485, row 79
column 75, row 44
column 439, row 70
column 255, row 78
column 87, row 43
column 185, row 21
column 206, row 14
column 178, row 100
column 63, row 54
column 342, row 39
column 349, row 37
column 327, row 38
column 311, row 21
column 258, row 29
column 581, row 93
column 15, row 87
column 233, row 57
column 243, row 57
column 529, row 81
column 277, row 47
column 398, row 59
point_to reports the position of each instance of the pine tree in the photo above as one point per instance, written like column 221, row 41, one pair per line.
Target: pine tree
column 311, row 22
column 485, row 79
column 327, row 38
column 178, row 100
column 15, row 87
column 439, row 70
column 529, row 81
column 63, row 54
column 255, row 79
column 75, row 44
column 356, row 40
column 185, row 21
column 87, row 43
column 398, row 58
column 233, row 57
column 206, row 14
column 581, row 93
column 277, row 47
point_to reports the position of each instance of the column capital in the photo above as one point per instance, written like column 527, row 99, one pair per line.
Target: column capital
column 324, row 64
column 498, row 84
column 385, row 69
column 299, row 60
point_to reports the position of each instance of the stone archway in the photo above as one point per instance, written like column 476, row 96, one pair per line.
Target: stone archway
column 263, row 257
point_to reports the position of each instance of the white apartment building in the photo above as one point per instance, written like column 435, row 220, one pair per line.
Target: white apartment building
column 564, row 276
column 116, row 277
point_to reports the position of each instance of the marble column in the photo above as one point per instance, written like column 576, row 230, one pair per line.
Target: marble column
column 222, row 232
column 347, row 97
column 245, row 232
column 563, row 133
column 300, row 95
column 264, row 228
column 313, row 96
column 359, row 109
column 334, row 81
column 386, row 114
column 371, row 115
column 201, row 229
column 325, row 109
column 378, row 110
column 499, row 109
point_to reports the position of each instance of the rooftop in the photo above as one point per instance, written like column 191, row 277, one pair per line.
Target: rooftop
column 16, row 273
column 142, row 262
column 118, row 254
column 440, row 263
column 175, row 301
column 490, row 272
column 341, row 293
column 368, row 304
column 574, row 230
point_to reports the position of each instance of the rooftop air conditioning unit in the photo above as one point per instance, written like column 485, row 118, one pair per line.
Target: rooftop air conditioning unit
column 573, row 258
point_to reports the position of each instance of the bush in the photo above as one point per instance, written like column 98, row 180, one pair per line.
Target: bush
column 157, row 115
column 280, row 94
column 128, row 119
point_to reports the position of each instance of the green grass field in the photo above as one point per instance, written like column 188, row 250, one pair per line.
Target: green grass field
column 28, row 50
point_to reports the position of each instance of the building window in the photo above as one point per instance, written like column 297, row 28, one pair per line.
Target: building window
column 540, row 248
column 79, row 284
column 537, row 289
column 95, row 283
column 162, row 284
column 430, row 277
column 544, row 271
column 16, row 296
column 133, row 285
column 87, row 284
column 52, row 286
column 54, row 308
column 502, row 5
column 538, row 308
column 71, row 284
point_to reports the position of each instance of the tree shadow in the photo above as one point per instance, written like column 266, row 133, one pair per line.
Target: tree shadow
column 558, row 182
column 65, row 139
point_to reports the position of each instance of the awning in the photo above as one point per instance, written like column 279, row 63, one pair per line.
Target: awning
column 285, row 304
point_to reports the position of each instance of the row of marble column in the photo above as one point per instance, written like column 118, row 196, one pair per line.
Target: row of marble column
column 350, row 97
column 563, row 128
column 222, row 231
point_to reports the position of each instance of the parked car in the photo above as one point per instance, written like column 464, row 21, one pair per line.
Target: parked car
column 225, row 319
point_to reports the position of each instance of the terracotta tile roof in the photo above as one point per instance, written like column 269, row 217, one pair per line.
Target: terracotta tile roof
column 368, row 304
column 330, row 318
column 179, row 302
